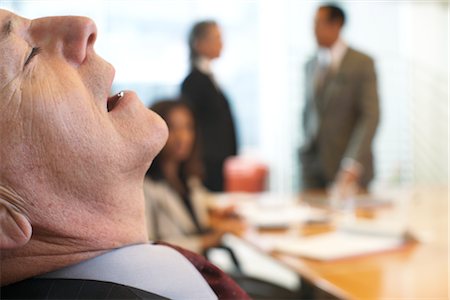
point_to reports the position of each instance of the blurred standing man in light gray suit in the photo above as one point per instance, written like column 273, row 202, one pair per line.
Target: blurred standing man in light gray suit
column 341, row 110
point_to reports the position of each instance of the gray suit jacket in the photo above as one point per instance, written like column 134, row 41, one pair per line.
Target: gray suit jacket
column 340, row 120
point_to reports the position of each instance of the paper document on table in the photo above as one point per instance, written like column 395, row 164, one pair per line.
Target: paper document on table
column 280, row 216
column 382, row 228
column 337, row 245
column 360, row 201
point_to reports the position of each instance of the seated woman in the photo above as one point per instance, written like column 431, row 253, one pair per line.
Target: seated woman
column 72, row 163
column 177, row 202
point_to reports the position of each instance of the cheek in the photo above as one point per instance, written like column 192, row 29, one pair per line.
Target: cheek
column 319, row 32
column 92, row 81
column 11, row 52
column 69, row 134
column 63, row 127
column 188, row 141
column 218, row 51
column 54, row 148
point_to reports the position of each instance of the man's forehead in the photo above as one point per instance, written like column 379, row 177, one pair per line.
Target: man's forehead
column 5, row 15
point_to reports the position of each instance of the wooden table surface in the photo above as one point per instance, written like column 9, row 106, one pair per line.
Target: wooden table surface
column 416, row 271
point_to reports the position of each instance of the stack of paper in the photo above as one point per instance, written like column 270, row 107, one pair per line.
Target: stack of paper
column 279, row 216
column 337, row 245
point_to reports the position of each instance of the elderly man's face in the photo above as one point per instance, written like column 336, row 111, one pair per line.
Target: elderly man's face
column 56, row 131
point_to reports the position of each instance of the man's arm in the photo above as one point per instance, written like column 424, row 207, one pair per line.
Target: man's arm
column 360, row 143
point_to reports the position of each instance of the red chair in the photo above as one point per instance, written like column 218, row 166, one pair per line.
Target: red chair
column 242, row 174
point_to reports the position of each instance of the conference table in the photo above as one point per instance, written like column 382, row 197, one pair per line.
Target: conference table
column 416, row 270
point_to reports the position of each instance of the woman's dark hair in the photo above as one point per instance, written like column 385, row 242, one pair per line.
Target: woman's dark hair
column 198, row 31
column 192, row 166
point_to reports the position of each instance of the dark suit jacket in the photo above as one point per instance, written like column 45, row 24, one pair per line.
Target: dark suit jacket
column 214, row 122
column 44, row 288
column 340, row 120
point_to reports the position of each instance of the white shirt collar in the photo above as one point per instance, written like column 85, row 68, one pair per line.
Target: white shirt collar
column 154, row 268
column 203, row 64
column 332, row 56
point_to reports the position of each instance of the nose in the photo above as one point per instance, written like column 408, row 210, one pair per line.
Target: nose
column 73, row 37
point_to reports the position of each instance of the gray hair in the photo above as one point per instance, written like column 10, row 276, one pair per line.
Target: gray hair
column 198, row 31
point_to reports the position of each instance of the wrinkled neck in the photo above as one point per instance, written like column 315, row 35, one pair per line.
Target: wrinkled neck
column 37, row 258
column 68, row 232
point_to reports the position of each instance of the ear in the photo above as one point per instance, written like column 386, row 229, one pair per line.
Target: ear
column 15, row 229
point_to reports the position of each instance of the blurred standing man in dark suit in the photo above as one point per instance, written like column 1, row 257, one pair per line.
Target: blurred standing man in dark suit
column 210, row 106
column 341, row 110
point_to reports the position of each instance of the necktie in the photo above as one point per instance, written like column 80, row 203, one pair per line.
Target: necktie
column 320, row 77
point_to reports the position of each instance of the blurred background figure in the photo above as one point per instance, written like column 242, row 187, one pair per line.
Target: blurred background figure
column 341, row 109
column 210, row 106
column 176, row 200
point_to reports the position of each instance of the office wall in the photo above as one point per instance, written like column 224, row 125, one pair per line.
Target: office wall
column 428, row 53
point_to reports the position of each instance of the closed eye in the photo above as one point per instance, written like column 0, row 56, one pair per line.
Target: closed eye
column 33, row 53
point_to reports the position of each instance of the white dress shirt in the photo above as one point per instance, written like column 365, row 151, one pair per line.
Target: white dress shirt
column 332, row 57
column 204, row 65
column 153, row 268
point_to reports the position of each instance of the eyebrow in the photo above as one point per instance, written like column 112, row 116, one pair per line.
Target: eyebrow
column 7, row 28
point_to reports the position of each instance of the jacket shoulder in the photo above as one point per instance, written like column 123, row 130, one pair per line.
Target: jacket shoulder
column 47, row 288
column 193, row 77
column 359, row 57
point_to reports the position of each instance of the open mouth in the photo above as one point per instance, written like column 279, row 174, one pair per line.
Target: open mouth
column 113, row 100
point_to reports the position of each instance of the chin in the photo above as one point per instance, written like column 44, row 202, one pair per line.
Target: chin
column 155, row 133
column 155, row 138
column 159, row 134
